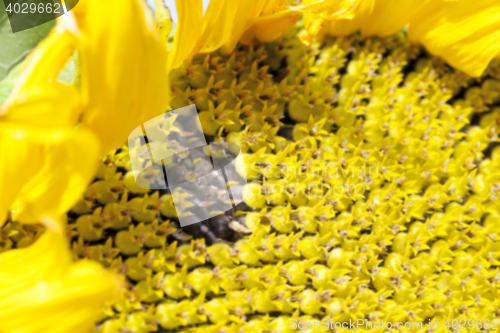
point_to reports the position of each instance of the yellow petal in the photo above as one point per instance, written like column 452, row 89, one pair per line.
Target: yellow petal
column 387, row 17
column 40, row 261
column 124, row 73
column 41, row 290
column 245, row 12
column 50, row 105
column 270, row 27
column 273, row 22
column 464, row 33
column 257, row 8
column 44, row 171
column 218, row 23
column 69, row 165
column 226, row 21
column 187, row 32
column 373, row 17
column 46, row 163
column 15, row 173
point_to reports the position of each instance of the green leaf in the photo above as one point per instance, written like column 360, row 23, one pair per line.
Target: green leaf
column 8, row 82
column 16, row 46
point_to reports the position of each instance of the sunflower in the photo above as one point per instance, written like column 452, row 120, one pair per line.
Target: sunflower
column 369, row 133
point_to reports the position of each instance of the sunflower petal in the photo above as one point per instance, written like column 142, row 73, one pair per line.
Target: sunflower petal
column 245, row 12
column 273, row 22
column 226, row 22
column 389, row 16
column 59, row 184
column 464, row 33
column 270, row 27
column 54, row 105
column 44, row 171
column 218, row 24
column 373, row 17
column 124, row 73
column 41, row 290
column 188, row 30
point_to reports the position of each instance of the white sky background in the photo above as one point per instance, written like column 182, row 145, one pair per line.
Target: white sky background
column 171, row 5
